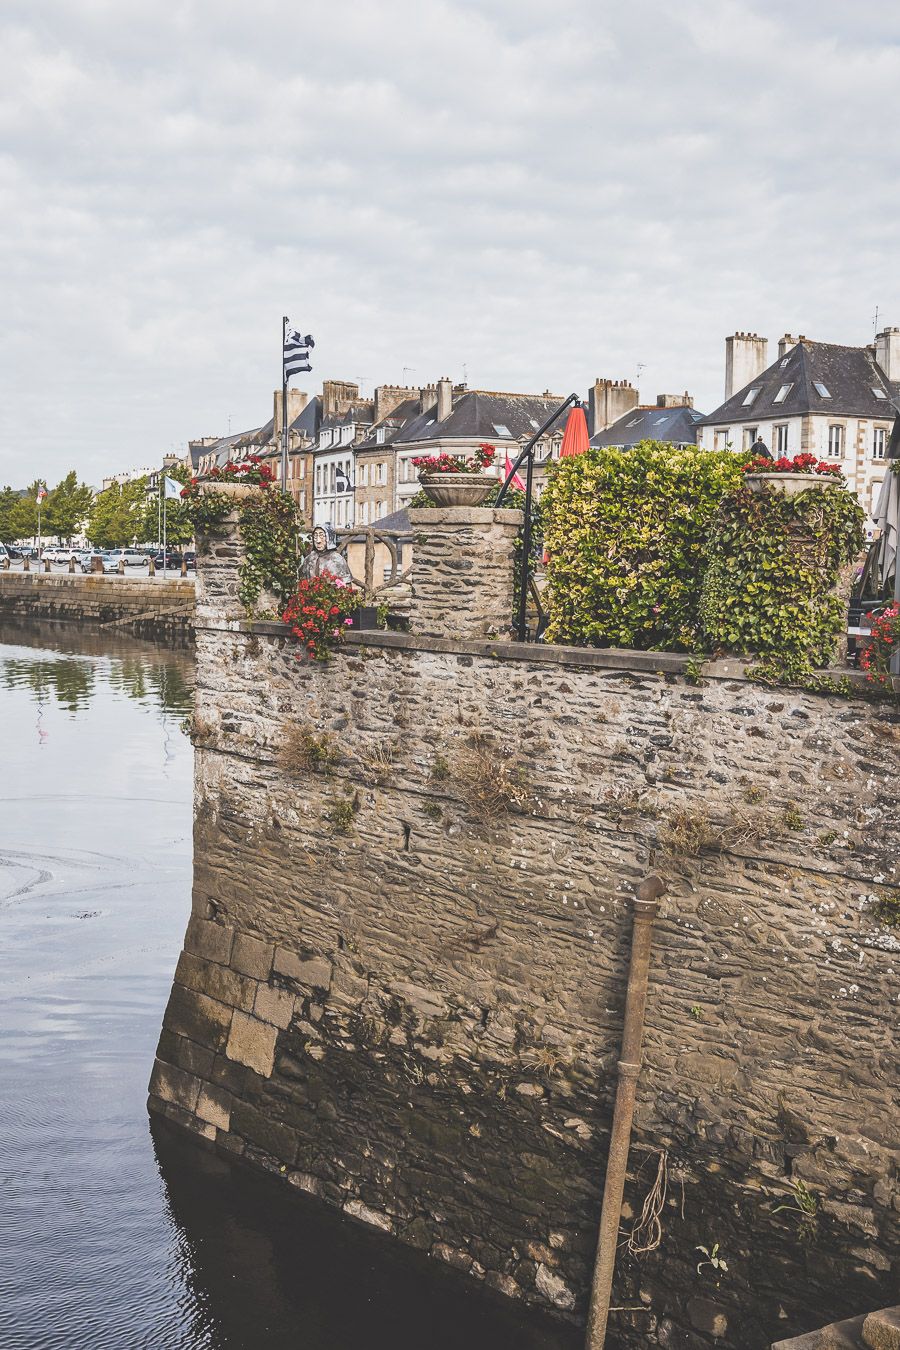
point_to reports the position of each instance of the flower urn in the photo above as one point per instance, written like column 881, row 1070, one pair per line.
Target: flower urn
column 789, row 483
column 457, row 489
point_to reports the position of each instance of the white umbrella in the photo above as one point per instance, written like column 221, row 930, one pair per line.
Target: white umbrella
column 886, row 514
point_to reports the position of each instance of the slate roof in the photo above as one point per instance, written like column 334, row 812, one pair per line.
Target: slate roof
column 394, row 424
column 848, row 373
column 675, row 425
column 478, row 414
column 309, row 420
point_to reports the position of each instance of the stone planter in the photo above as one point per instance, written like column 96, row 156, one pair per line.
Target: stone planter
column 228, row 489
column 457, row 489
column 790, row 483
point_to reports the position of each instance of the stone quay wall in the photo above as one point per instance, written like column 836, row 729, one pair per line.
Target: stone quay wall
column 402, row 984
column 147, row 608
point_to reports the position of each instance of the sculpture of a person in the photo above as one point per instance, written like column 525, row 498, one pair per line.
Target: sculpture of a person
column 324, row 557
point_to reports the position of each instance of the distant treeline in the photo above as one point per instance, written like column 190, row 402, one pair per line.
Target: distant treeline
column 123, row 514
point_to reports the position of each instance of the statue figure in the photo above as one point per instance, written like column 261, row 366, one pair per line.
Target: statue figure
column 759, row 449
column 324, row 557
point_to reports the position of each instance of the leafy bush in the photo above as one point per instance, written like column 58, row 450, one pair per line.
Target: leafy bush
column 775, row 561
column 626, row 531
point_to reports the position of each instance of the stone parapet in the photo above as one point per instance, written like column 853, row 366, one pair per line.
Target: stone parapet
column 219, row 555
column 462, row 574
column 148, row 608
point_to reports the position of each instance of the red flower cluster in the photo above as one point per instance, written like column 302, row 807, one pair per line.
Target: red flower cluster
column 251, row 470
column 804, row 463
column 319, row 612
column 483, row 458
column 875, row 659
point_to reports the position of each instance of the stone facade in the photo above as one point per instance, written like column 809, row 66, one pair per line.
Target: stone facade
column 138, row 605
column 402, row 985
column 462, row 579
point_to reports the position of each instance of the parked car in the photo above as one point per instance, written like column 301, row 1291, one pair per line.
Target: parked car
column 4, row 553
column 190, row 558
column 130, row 557
column 173, row 558
column 85, row 556
column 14, row 552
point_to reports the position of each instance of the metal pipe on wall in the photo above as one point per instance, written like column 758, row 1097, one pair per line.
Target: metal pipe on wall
column 646, row 906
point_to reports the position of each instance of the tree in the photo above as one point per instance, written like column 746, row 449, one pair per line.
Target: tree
column 68, row 507
column 116, row 516
column 179, row 529
column 10, row 515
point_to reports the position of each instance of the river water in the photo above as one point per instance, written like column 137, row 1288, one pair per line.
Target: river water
column 113, row 1235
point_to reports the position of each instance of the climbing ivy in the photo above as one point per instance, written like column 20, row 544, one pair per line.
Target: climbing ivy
column 270, row 531
column 769, row 585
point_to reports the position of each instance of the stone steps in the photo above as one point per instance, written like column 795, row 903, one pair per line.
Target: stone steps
column 875, row 1331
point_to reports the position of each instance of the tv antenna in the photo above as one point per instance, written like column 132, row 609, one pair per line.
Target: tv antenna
column 875, row 323
column 641, row 367
column 408, row 370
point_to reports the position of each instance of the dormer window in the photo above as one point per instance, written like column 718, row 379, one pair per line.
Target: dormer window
column 750, row 396
column 879, row 393
column 379, row 436
column 782, row 393
column 820, row 389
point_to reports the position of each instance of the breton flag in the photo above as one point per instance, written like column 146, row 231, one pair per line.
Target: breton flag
column 296, row 352
column 172, row 486
column 41, row 493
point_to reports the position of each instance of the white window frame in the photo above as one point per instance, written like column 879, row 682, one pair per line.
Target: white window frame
column 879, row 442
column 783, row 393
column 837, row 433
column 780, row 437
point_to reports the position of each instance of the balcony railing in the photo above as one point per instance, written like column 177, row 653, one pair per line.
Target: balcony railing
column 371, row 536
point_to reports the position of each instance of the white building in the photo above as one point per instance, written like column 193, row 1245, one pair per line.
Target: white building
column 832, row 401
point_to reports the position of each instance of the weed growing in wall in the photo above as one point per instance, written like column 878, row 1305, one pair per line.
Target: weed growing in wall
column 302, row 751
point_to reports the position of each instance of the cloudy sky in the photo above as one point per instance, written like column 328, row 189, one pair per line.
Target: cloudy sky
column 522, row 193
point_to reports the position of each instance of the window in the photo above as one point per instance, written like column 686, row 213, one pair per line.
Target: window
column 781, row 438
column 379, row 509
column 633, row 423
column 836, row 441
column 658, row 421
column 782, row 393
column 318, row 480
column 820, row 389
column 722, row 440
column 749, row 436
column 332, row 477
column 873, row 493
column 784, row 363
column 362, row 476
column 303, row 499
column 879, row 437
column 502, row 430
column 379, row 435
column 382, row 473
column 879, row 393
column 751, row 395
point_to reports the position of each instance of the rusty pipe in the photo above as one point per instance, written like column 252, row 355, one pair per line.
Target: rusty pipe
column 646, row 905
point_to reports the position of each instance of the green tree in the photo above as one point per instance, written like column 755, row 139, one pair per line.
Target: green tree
column 179, row 529
column 10, row 515
column 117, row 514
column 68, row 507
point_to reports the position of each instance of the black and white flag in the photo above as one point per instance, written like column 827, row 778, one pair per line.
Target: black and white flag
column 296, row 352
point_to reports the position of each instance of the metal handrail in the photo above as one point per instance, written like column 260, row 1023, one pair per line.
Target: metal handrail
column 527, row 452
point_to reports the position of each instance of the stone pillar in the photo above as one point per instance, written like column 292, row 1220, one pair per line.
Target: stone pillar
column 220, row 552
column 462, row 571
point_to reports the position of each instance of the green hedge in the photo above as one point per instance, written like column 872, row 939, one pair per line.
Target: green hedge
column 627, row 536
column 775, row 561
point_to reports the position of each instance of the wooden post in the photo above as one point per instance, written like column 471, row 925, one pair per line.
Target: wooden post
column 645, row 908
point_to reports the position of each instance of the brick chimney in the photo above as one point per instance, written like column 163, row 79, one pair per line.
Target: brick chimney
column 427, row 397
column 786, row 344
column 390, row 396
column 444, row 398
column 609, row 400
column 674, row 400
column 338, row 396
column 297, row 401
column 746, row 356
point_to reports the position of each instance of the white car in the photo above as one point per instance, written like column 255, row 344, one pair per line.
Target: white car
column 60, row 553
column 129, row 556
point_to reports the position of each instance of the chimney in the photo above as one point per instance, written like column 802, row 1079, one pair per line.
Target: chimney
column 786, row 344
column 427, row 397
column 390, row 396
column 444, row 399
column 887, row 352
column 674, row 400
column 746, row 356
column 609, row 400
column 338, row 396
column 297, row 401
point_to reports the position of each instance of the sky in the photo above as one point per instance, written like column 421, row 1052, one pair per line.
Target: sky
column 519, row 194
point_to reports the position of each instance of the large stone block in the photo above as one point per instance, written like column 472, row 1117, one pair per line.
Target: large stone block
column 197, row 1017
column 881, row 1330
column 219, row 982
column 210, row 940
column 175, row 1085
column 312, row 971
column 251, row 956
column 252, row 1042
column 274, row 1005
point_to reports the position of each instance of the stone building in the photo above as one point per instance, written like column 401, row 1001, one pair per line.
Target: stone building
column 837, row 402
column 671, row 418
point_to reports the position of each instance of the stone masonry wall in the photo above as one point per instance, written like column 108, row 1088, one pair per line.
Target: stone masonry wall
column 146, row 608
column 402, row 985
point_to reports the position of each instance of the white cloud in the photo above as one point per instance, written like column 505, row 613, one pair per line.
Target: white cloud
column 539, row 193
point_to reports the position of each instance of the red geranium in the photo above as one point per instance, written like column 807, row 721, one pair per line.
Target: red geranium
column 319, row 613
column 805, row 463
column 875, row 659
column 483, row 458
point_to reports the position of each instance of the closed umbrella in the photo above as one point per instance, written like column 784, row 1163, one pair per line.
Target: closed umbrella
column 886, row 514
column 575, row 437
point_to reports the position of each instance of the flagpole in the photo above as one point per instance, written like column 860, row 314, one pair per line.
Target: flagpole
column 284, row 416
column 164, row 527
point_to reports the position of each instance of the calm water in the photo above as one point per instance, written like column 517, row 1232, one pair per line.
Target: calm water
column 110, row 1235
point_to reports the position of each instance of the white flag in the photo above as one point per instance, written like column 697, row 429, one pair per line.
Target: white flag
column 172, row 486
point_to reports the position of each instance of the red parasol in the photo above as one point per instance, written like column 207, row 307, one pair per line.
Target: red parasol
column 575, row 438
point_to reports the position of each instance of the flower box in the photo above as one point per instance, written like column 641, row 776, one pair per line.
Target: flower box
column 228, row 489
column 789, row 483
